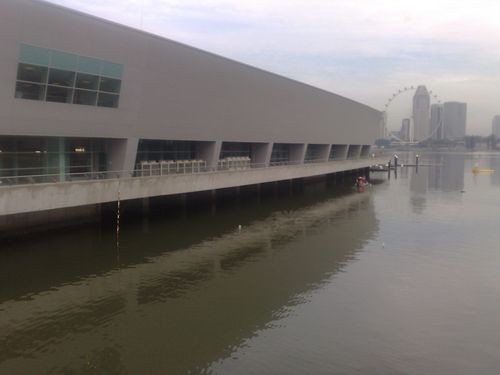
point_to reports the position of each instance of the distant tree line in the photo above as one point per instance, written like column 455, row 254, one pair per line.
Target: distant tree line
column 491, row 141
column 470, row 142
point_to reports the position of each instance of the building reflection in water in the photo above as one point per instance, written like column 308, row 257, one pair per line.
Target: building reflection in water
column 179, row 311
column 445, row 173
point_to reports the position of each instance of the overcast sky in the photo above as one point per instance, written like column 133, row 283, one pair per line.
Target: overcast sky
column 362, row 49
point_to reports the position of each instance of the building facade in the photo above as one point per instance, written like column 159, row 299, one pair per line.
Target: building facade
column 421, row 106
column 454, row 120
column 436, row 121
column 404, row 133
column 119, row 96
column 139, row 116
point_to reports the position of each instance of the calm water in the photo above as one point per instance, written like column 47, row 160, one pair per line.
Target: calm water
column 403, row 278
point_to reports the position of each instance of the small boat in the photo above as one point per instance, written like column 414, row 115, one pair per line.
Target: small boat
column 476, row 170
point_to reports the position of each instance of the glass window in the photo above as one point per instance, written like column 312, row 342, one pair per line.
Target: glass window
column 111, row 70
column 34, row 55
column 61, row 77
column 108, row 100
column 63, row 60
column 85, row 97
column 89, row 65
column 67, row 78
column 30, row 91
column 31, row 73
column 87, row 81
column 59, row 94
column 110, row 85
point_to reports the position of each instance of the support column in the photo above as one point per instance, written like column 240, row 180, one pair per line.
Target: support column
column 298, row 153
column 122, row 154
column 213, row 202
column 210, row 152
column 261, row 154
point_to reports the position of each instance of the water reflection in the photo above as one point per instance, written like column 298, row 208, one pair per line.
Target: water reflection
column 439, row 171
column 173, row 311
column 494, row 163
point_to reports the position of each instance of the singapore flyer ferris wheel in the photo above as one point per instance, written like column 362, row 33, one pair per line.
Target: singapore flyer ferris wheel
column 388, row 133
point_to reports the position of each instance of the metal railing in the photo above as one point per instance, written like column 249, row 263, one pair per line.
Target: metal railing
column 164, row 168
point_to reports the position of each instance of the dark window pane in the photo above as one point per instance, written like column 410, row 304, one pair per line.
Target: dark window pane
column 59, row 94
column 110, row 85
column 61, row 77
column 108, row 100
column 31, row 73
column 87, row 81
column 85, row 97
column 30, row 91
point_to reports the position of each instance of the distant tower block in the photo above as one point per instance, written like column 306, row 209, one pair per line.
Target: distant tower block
column 454, row 120
column 437, row 121
column 405, row 130
column 421, row 108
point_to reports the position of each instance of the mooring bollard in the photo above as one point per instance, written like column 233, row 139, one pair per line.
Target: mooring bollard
column 417, row 157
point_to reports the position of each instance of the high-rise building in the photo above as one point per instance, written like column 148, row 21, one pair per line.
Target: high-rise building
column 421, row 105
column 436, row 128
column 454, row 120
column 495, row 126
column 404, row 133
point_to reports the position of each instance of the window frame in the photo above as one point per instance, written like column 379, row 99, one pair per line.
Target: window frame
column 83, row 65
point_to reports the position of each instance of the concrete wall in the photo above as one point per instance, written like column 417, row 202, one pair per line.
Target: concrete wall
column 40, row 197
column 169, row 90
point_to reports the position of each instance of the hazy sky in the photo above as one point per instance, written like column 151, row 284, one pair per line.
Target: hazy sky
column 363, row 49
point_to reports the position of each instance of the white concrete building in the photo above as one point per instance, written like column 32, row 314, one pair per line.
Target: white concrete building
column 87, row 99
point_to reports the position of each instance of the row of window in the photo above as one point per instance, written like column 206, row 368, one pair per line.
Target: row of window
column 54, row 76
column 57, row 94
column 66, row 61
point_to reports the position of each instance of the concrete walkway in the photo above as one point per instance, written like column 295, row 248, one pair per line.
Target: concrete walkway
column 41, row 197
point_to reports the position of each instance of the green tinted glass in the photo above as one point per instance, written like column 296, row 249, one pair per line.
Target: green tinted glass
column 112, row 70
column 63, row 60
column 34, row 55
column 89, row 65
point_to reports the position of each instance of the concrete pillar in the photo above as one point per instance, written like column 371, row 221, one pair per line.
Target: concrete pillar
column 261, row 154
column 145, row 206
column 213, row 202
column 122, row 154
column 298, row 153
column 210, row 152
column 183, row 203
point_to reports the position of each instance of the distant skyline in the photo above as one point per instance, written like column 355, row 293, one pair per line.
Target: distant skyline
column 361, row 49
